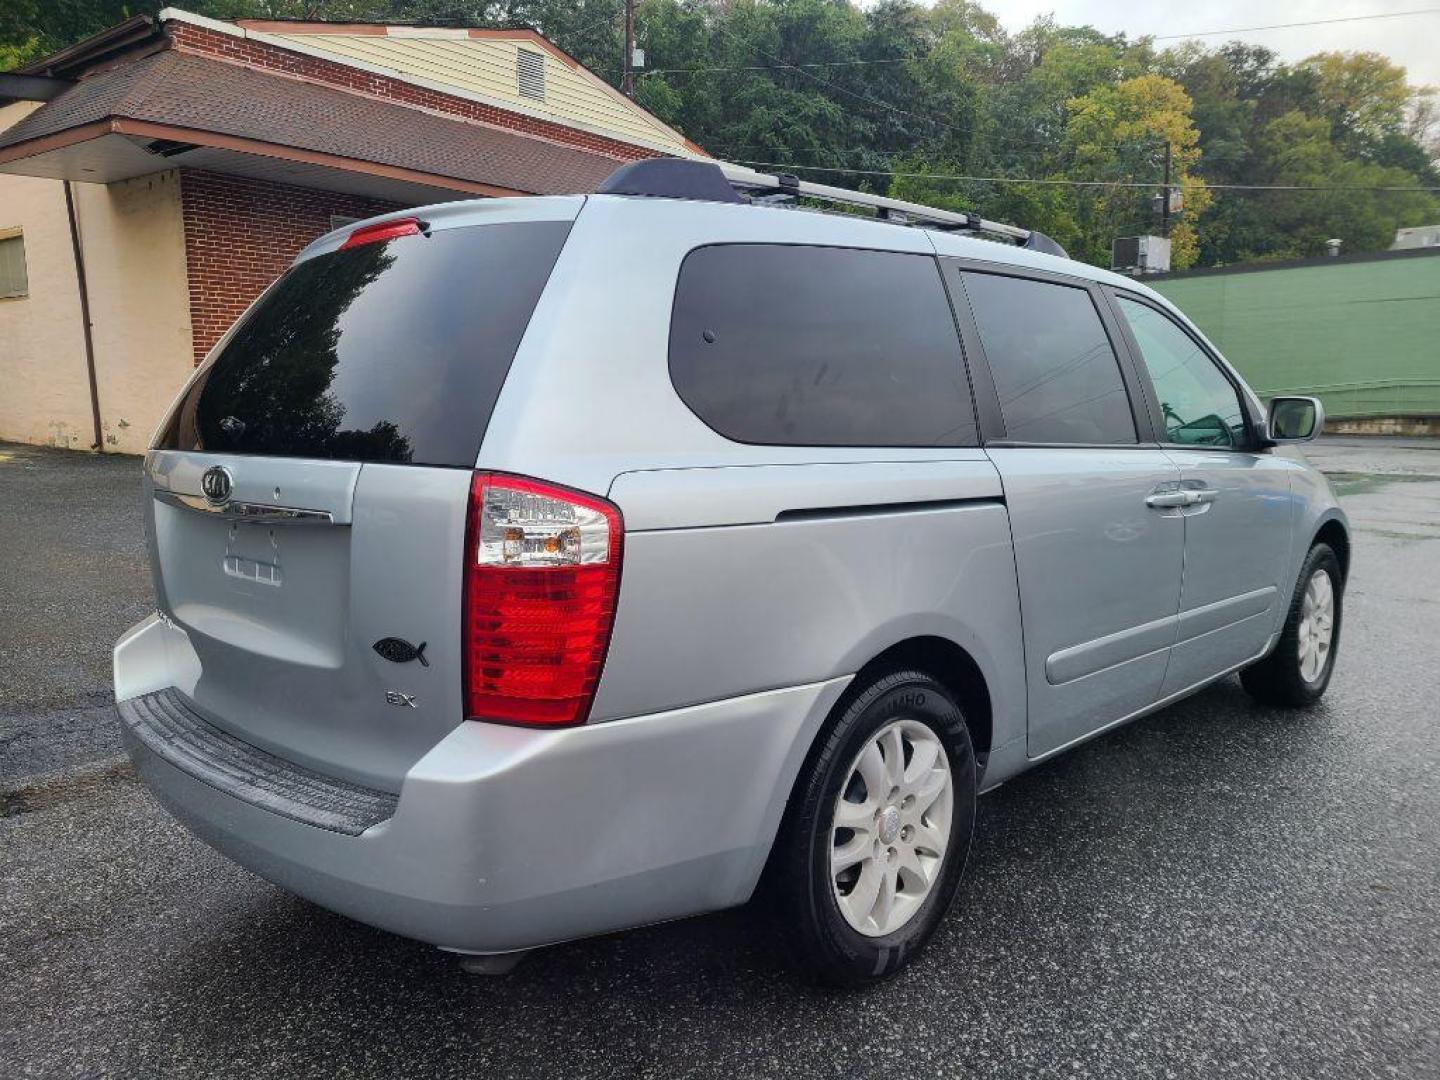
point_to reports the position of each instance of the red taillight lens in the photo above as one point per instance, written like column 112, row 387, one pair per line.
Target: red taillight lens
column 383, row 230
column 542, row 573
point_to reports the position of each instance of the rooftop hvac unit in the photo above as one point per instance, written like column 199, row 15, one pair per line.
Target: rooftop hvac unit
column 1140, row 255
column 1419, row 236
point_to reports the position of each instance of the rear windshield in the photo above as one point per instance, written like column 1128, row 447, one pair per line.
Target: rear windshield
column 392, row 351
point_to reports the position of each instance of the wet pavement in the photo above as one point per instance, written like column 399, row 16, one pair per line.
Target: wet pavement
column 73, row 576
column 1217, row 890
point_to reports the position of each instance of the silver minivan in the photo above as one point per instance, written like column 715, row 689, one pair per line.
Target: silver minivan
column 533, row 568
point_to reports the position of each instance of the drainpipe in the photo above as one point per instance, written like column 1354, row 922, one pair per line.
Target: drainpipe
column 99, row 443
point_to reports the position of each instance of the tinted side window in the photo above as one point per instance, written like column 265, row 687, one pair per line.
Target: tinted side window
column 391, row 351
column 1200, row 405
column 812, row 346
column 1052, row 363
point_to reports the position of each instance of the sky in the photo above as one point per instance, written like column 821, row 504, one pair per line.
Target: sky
column 1412, row 41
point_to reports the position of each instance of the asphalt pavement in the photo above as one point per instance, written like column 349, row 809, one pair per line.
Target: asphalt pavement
column 73, row 576
column 1217, row 890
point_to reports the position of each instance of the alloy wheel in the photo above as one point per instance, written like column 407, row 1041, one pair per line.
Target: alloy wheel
column 891, row 827
column 1317, row 625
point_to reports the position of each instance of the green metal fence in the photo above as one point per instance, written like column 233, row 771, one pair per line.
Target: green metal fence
column 1377, row 397
column 1360, row 333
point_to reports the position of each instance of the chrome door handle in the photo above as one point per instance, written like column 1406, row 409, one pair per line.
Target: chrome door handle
column 1166, row 500
column 1203, row 495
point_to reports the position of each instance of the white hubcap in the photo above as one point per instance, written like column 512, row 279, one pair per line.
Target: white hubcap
column 1317, row 625
column 891, row 827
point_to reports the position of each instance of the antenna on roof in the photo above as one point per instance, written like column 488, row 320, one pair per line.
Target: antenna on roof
column 720, row 181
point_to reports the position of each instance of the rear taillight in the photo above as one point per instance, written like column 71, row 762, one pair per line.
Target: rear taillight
column 383, row 230
column 542, row 572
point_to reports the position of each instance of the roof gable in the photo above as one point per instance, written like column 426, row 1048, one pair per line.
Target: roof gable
column 477, row 63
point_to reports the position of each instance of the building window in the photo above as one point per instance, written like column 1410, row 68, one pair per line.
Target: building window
column 13, row 279
column 530, row 73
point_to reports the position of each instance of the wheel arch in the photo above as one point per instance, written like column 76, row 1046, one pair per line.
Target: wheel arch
column 941, row 658
column 1332, row 531
column 952, row 667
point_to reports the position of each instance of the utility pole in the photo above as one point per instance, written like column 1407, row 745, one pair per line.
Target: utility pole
column 627, row 80
column 1165, row 204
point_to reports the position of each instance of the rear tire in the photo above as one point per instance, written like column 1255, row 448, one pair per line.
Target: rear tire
column 858, row 900
column 1298, row 669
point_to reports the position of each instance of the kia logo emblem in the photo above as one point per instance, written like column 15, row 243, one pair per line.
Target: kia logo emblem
column 217, row 484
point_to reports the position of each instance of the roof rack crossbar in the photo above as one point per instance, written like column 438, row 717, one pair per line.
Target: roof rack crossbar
column 749, row 179
column 720, row 181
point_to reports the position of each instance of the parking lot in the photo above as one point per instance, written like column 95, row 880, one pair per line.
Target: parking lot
column 1217, row 890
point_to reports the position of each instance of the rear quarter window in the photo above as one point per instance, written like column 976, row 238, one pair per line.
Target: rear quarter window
column 392, row 351
column 815, row 346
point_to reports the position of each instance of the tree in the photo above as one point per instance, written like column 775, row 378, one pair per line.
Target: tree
column 1120, row 132
column 1296, row 149
column 30, row 29
column 1048, row 208
column 1362, row 94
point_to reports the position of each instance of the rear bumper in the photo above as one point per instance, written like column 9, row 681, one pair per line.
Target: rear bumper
column 505, row 838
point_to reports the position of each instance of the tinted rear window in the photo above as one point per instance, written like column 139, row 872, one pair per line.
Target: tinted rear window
column 1052, row 362
column 391, row 351
column 813, row 346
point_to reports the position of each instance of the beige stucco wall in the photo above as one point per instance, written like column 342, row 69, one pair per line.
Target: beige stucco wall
column 133, row 240
column 44, row 390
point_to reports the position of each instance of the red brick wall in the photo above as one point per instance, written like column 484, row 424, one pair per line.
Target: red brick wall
column 198, row 39
column 241, row 234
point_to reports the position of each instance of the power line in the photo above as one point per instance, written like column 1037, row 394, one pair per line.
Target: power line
column 833, row 86
column 782, row 66
column 609, row 17
column 1084, row 183
column 988, row 140
column 771, row 67
column 1291, row 25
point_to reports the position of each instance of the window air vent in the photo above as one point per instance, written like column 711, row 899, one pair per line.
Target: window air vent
column 169, row 147
column 530, row 73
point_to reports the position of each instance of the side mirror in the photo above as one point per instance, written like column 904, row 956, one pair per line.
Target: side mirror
column 1295, row 419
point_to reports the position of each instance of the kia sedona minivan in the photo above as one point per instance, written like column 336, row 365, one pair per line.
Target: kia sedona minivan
column 534, row 568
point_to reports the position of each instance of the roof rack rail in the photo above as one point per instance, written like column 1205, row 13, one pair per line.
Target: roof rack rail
column 720, row 181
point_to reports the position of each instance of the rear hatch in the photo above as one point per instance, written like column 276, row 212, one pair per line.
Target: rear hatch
column 308, row 493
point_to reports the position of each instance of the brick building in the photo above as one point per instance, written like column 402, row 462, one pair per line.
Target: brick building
column 157, row 176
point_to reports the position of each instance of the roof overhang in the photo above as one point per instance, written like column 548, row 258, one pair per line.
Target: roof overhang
column 119, row 149
column 16, row 87
column 97, row 47
column 172, row 109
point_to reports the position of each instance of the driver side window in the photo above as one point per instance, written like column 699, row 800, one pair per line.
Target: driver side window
column 1201, row 406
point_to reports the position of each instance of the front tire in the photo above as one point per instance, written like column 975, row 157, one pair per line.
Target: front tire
column 1298, row 669
column 877, row 832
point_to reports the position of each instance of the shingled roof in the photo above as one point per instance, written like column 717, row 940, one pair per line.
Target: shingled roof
column 211, row 97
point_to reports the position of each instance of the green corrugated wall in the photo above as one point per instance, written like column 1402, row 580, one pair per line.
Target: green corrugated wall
column 1362, row 336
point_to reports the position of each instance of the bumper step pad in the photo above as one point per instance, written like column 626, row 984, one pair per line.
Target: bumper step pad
column 168, row 725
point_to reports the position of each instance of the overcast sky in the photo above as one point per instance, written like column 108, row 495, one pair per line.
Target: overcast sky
column 1413, row 41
